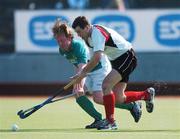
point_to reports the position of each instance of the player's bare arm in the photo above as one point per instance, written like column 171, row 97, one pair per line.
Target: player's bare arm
column 78, row 87
column 92, row 63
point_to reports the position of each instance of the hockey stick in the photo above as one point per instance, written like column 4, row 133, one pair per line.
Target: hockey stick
column 25, row 113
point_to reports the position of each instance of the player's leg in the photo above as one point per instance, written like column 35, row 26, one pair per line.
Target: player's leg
column 133, row 96
column 89, row 108
column 109, row 99
column 147, row 95
column 122, row 67
column 125, row 65
column 84, row 102
column 96, row 87
column 133, row 107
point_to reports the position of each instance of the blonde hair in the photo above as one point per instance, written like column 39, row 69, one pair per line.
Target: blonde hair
column 62, row 28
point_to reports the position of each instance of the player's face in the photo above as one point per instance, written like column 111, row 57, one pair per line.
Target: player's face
column 83, row 33
column 64, row 42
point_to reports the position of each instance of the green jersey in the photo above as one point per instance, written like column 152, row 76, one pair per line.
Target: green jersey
column 77, row 54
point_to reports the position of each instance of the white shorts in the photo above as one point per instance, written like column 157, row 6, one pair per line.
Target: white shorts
column 95, row 79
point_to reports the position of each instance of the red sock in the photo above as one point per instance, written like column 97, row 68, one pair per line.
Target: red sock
column 109, row 103
column 132, row 96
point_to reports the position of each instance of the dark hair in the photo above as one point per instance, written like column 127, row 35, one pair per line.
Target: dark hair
column 80, row 21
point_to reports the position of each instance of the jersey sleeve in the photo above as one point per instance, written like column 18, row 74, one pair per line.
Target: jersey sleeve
column 98, row 40
column 81, row 52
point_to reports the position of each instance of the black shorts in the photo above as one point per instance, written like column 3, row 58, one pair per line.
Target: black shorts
column 125, row 64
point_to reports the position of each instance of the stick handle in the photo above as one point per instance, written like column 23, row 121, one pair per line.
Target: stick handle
column 65, row 97
column 69, row 84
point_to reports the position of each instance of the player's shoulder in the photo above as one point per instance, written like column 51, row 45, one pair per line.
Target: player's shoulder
column 98, row 30
column 77, row 42
column 99, row 27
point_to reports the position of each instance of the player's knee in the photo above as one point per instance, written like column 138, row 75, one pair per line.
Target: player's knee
column 98, row 101
column 119, row 99
column 79, row 94
column 98, row 97
column 119, row 95
column 106, row 89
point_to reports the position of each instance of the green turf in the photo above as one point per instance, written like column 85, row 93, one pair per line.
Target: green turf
column 65, row 120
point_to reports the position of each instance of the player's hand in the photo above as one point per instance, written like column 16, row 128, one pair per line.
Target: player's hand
column 78, row 77
column 78, row 90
